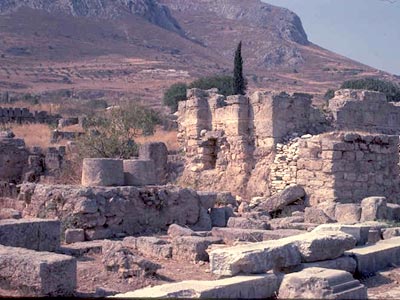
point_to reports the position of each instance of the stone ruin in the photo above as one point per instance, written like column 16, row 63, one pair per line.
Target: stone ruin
column 23, row 115
column 315, row 195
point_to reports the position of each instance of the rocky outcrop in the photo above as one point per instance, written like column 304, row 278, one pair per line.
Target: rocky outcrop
column 150, row 10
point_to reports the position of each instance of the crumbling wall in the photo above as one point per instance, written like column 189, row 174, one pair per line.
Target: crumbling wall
column 366, row 111
column 347, row 167
column 23, row 115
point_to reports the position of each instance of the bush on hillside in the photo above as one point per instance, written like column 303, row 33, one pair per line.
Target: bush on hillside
column 390, row 89
column 174, row 94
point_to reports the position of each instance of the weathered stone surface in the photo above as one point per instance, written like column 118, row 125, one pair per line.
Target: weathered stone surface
column 376, row 257
column 34, row 234
column 358, row 231
column 283, row 223
column 74, row 235
column 344, row 263
column 174, row 230
column 204, row 223
column 37, row 273
column 10, row 213
column 316, row 216
column 98, row 233
column 247, row 223
column 138, row 172
column 373, row 209
column 119, row 210
column 148, row 245
column 239, row 287
column 319, row 283
column 102, row 172
column 207, row 199
column 230, row 235
column 280, row 200
column 193, row 248
column 81, row 248
column 254, row 258
column 158, row 153
column 389, row 233
column 120, row 259
column 374, row 236
column 317, row 246
column 348, row 213
column 218, row 217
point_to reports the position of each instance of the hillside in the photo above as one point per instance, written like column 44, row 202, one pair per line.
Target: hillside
column 135, row 49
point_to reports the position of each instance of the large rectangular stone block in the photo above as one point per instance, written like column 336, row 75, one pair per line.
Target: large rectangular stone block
column 377, row 257
column 240, row 287
column 35, row 234
column 37, row 273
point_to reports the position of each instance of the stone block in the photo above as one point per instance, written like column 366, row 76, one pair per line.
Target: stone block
column 102, row 172
column 99, row 233
column 230, row 235
column 393, row 212
column 247, row 223
column 358, row 231
column 207, row 199
column 34, row 234
column 389, row 233
column 158, row 153
column 218, row 217
column 254, row 258
column 193, row 248
column 373, row 209
column 376, row 257
column 139, row 172
column 37, row 273
column 175, row 230
column 79, row 249
column 148, row 245
column 239, row 287
column 320, row 283
column 344, row 263
column 348, row 213
column 74, row 236
column 282, row 199
column 316, row 215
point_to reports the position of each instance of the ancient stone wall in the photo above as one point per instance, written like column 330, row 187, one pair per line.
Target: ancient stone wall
column 23, row 115
column 366, row 111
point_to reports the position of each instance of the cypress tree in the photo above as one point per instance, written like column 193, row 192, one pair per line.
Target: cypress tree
column 239, row 83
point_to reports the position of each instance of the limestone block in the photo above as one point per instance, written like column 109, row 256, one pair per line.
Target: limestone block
column 149, row 245
column 393, row 212
column 389, row 233
column 254, row 258
column 344, row 263
column 102, row 172
column 158, row 153
column 316, row 215
column 280, row 200
column 34, row 234
column 207, row 199
column 193, row 248
column 373, row 209
column 358, row 231
column 374, row 236
column 320, row 283
column 218, row 217
column 74, row 236
column 376, row 257
column 348, row 213
column 247, row 223
column 98, row 233
column 138, row 172
column 239, row 287
column 175, row 230
column 204, row 223
column 37, row 273
column 230, row 235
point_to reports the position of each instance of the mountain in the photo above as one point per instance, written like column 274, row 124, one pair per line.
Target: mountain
column 134, row 49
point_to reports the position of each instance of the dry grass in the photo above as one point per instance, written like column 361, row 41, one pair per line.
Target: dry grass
column 167, row 137
column 33, row 134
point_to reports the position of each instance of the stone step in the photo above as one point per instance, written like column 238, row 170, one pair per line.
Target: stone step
column 239, row 287
column 379, row 256
column 81, row 248
column 319, row 283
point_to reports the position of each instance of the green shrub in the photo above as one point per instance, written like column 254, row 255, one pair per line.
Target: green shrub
column 390, row 89
column 174, row 94
column 329, row 94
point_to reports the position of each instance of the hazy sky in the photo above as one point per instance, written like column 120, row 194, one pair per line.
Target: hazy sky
column 365, row 30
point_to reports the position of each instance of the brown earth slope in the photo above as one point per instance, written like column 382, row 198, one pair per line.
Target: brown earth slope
column 136, row 49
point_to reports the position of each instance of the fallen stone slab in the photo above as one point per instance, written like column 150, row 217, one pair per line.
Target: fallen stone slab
column 193, row 248
column 239, row 287
column 376, row 257
column 316, row 215
column 82, row 248
column 281, row 199
column 175, row 230
column 359, row 231
column 348, row 213
column 34, row 234
column 37, row 273
column 283, row 253
column 320, row 283
column 254, row 258
column 373, row 208
column 149, row 245
column 74, row 236
column 344, row 263
column 230, row 235
column 247, row 223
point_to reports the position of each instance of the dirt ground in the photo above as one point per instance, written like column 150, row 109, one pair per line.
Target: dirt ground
column 384, row 285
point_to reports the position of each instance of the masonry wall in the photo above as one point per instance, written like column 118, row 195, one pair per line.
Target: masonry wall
column 23, row 115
